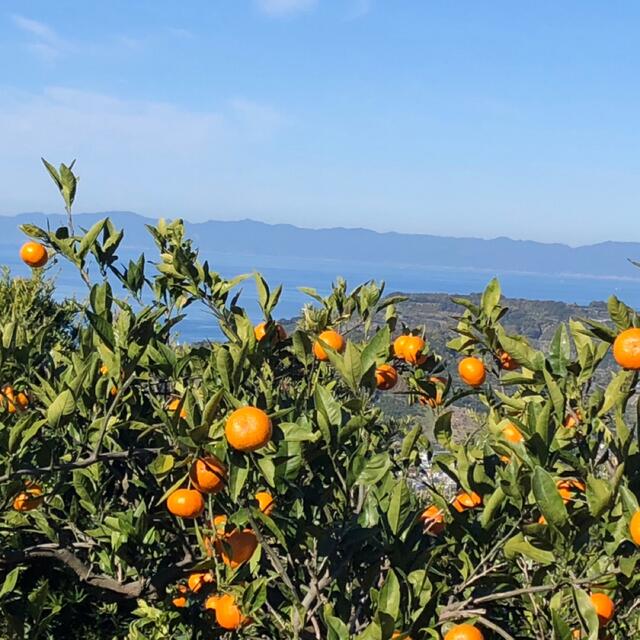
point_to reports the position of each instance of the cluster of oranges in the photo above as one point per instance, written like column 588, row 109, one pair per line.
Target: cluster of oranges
column 247, row 429
column 13, row 401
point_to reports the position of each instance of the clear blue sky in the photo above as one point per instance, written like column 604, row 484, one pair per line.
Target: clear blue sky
column 460, row 117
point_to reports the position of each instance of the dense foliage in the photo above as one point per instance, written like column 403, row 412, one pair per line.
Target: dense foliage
column 302, row 520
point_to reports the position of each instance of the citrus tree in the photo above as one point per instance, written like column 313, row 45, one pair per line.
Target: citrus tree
column 252, row 487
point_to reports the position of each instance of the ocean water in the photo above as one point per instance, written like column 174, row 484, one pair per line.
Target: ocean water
column 293, row 273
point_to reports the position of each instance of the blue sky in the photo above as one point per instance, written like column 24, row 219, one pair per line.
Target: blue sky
column 460, row 118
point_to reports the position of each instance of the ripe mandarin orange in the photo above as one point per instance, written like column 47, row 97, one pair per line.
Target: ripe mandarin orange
column 266, row 503
column 386, row 377
column 464, row 632
column 433, row 519
column 29, row 499
column 248, row 429
column 236, row 547
column 626, row 349
column 228, row 613
column 567, row 488
column 604, row 607
column 180, row 601
column 211, row 602
column 413, row 350
column 472, row 371
column 466, row 500
column 260, row 331
column 185, row 503
column 399, row 344
column 173, row 406
column 198, row 579
column 634, row 527
column 208, row 474
column 34, row 254
column 331, row 338
column 512, row 434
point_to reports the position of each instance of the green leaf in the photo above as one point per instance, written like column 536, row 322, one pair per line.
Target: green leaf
column 599, row 495
column 547, row 497
column 389, row 598
column 517, row 545
column 62, row 406
column 89, row 238
column 399, row 506
column 377, row 350
column 586, row 612
column 10, row 581
column 374, row 469
column 491, row 297
column 162, row 464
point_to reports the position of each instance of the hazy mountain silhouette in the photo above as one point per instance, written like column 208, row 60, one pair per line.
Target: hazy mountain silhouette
column 248, row 237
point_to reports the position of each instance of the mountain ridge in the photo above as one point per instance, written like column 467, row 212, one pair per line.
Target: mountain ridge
column 251, row 237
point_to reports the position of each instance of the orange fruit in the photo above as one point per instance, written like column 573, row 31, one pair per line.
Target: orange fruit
column 604, row 607
column 266, row 503
column 566, row 488
column 185, row 503
column 466, row 500
column 512, row 434
column 22, row 400
column 464, row 632
column 29, row 499
column 542, row 520
column 626, row 349
column 398, row 634
column 572, row 421
column 433, row 519
column 34, row 254
column 211, row 602
column 386, row 377
column 236, row 547
column 208, row 474
column 433, row 402
column 228, row 614
column 173, row 406
column 104, row 370
column 8, row 394
column 634, row 527
column 180, row 601
column 399, row 345
column 198, row 579
column 413, row 350
column 331, row 338
column 219, row 523
column 248, row 429
column 507, row 362
column 260, row 331
column 472, row 371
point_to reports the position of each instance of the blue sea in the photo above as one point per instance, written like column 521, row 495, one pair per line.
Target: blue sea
column 294, row 273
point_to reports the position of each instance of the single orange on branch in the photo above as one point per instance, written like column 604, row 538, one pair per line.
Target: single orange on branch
column 260, row 331
column 34, row 254
column 399, row 345
column 236, row 547
column 208, row 474
column 464, row 632
column 330, row 338
column 472, row 371
column 228, row 613
column 266, row 503
column 464, row 501
column 198, row 580
column 512, row 434
column 626, row 349
column 604, row 606
column 634, row 527
column 248, row 429
column 386, row 377
column 29, row 499
column 433, row 520
column 185, row 503
column 173, row 407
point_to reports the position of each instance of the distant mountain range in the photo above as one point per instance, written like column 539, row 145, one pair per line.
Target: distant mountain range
column 248, row 237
